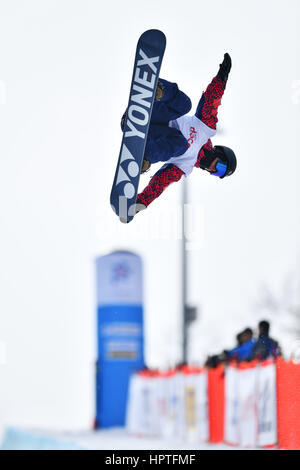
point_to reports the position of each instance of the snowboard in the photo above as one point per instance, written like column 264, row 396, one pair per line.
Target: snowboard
column 148, row 58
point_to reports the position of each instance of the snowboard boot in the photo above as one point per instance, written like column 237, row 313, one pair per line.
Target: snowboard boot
column 159, row 91
column 145, row 166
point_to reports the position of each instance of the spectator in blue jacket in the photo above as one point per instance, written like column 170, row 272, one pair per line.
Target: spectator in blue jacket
column 244, row 350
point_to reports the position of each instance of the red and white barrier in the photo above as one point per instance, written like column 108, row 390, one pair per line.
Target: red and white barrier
column 267, row 404
column 288, row 404
column 195, row 404
column 171, row 404
column 216, row 403
column 248, row 405
column 231, row 406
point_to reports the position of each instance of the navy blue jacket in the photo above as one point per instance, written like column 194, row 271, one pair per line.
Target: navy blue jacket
column 265, row 347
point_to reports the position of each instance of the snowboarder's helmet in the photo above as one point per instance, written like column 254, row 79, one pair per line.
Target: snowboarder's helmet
column 228, row 158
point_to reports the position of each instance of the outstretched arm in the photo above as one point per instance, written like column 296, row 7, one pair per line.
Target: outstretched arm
column 207, row 108
column 158, row 183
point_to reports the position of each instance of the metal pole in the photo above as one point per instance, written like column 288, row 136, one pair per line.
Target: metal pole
column 184, row 272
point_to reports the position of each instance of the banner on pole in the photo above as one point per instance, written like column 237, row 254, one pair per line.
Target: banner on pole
column 120, row 332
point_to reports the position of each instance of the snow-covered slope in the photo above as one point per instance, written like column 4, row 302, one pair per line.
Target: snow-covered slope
column 113, row 439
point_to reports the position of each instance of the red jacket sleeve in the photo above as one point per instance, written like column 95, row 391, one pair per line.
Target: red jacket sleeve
column 207, row 146
column 158, row 183
column 207, row 108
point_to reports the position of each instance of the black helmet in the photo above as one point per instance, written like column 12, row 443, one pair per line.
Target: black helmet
column 226, row 155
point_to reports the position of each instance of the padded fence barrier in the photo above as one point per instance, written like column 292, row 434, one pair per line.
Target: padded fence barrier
column 288, row 404
column 216, row 403
column 169, row 404
column 250, row 405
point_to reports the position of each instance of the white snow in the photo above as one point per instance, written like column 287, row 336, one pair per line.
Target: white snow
column 112, row 439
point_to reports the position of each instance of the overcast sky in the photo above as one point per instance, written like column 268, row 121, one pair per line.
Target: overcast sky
column 65, row 71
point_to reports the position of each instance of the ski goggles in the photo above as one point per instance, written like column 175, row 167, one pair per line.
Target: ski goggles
column 221, row 168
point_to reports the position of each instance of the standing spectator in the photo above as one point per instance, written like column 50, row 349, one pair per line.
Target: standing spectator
column 265, row 346
column 239, row 339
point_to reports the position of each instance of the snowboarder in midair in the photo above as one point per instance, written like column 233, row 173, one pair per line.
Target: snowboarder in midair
column 182, row 141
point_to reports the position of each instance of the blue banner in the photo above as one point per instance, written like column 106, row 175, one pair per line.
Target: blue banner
column 120, row 333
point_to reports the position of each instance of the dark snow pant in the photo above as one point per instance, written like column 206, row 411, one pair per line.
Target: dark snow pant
column 165, row 142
